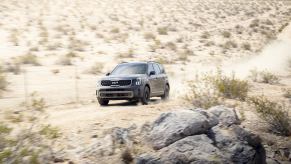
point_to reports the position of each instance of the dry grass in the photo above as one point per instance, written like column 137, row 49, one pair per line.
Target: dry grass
column 29, row 58
column 96, row 68
column 230, row 87
column 274, row 113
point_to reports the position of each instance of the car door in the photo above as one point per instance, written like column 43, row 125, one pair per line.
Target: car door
column 152, row 79
column 163, row 77
column 159, row 80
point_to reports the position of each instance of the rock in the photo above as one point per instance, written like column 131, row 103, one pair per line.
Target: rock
column 192, row 149
column 237, row 144
column 147, row 159
column 226, row 116
column 172, row 126
column 202, row 136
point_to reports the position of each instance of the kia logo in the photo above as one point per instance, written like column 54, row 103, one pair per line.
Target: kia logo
column 114, row 82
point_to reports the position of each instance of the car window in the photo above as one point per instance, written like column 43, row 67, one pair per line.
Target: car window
column 151, row 68
column 127, row 69
column 162, row 68
column 157, row 69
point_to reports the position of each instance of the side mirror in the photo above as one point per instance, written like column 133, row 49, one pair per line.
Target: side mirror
column 107, row 74
column 152, row 73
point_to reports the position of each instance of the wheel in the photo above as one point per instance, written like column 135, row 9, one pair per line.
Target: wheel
column 146, row 96
column 166, row 93
column 103, row 102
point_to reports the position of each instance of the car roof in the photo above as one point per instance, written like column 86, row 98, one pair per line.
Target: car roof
column 139, row 62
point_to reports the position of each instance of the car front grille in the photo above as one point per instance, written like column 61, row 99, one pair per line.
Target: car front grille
column 115, row 82
column 116, row 94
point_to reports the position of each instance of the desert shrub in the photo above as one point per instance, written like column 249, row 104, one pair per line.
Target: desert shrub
column 226, row 34
column 163, row 60
column 202, row 97
column 163, row 30
column 126, row 156
column 50, row 132
column 267, row 77
column 246, row 46
column 29, row 59
column 37, row 102
column 283, row 27
column 171, row 46
column 230, row 87
column 209, row 43
column 96, row 68
column 3, row 81
column 13, row 67
column 183, row 55
column 274, row 113
column 114, row 30
column 254, row 75
column 205, row 35
column 64, row 60
column 229, row 44
column 128, row 54
column 287, row 93
column 254, row 23
column 149, row 35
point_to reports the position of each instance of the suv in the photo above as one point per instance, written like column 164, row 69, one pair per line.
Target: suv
column 137, row 81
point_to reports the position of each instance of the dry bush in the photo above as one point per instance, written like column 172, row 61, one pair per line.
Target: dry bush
column 283, row 27
column 3, row 81
column 67, row 59
column 209, row 43
column 126, row 156
column 149, row 35
column 226, row 34
column 114, row 30
column 128, row 54
column 13, row 67
column 13, row 37
column 184, row 54
column 205, row 35
column 254, row 23
column 202, row 95
column 274, row 113
column 229, row 44
column 29, row 58
column 263, row 77
column 50, row 132
column 172, row 46
column 287, row 93
column 230, row 87
column 96, row 68
column 269, row 78
column 163, row 30
column 32, row 143
column 163, row 60
column 246, row 46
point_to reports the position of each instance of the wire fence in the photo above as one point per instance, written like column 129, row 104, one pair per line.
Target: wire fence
column 57, row 86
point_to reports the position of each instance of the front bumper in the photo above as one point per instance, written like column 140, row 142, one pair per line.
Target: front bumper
column 120, row 92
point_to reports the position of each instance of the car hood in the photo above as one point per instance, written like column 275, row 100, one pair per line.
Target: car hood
column 123, row 77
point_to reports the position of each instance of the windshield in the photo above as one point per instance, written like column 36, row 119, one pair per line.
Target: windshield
column 127, row 69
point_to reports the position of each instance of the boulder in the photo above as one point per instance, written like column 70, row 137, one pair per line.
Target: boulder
column 173, row 126
column 202, row 136
column 226, row 116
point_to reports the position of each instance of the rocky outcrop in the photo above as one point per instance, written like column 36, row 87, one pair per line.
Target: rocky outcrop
column 202, row 136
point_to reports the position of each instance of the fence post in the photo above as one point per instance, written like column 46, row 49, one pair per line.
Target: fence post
column 76, row 85
column 25, row 88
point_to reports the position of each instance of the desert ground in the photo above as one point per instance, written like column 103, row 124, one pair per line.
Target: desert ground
column 52, row 53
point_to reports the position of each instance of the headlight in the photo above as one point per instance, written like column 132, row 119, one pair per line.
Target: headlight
column 137, row 81
column 99, row 83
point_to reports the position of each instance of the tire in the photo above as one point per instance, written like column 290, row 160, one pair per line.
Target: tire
column 166, row 93
column 146, row 96
column 103, row 102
